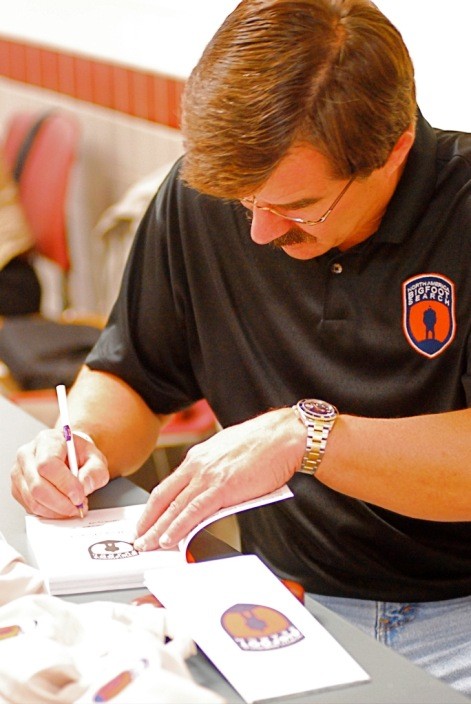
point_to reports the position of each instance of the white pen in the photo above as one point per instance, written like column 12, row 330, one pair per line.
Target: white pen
column 69, row 438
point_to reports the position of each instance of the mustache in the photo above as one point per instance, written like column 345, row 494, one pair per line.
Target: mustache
column 294, row 236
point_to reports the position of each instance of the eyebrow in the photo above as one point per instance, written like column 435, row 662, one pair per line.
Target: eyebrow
column 294, row 205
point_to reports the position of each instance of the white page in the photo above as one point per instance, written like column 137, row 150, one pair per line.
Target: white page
column 284, row 492
column 271, row 646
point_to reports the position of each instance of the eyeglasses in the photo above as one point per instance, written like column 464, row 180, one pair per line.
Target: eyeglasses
column 251, row 203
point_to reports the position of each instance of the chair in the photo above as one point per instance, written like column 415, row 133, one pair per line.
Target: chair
column 41, row 152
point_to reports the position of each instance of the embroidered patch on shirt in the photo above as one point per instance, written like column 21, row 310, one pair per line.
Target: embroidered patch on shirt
column 429, row 313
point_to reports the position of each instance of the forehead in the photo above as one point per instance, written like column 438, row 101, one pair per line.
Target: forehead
column 302, row 173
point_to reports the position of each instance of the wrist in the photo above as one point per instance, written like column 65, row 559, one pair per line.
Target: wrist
column 318, row 418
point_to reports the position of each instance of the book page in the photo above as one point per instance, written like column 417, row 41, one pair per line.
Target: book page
column 284, row 492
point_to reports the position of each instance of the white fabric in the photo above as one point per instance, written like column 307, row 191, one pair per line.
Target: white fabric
column 16, row 577
column 116, row 229
column 15, row 234
column 66, row 652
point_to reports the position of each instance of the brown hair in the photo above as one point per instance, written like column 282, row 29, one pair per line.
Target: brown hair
column 332, row 73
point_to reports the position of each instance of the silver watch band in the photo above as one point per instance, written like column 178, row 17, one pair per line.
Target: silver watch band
column 318, row 417
column 316, row 441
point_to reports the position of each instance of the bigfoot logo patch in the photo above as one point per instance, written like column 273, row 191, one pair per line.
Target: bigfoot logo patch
column 429, row 313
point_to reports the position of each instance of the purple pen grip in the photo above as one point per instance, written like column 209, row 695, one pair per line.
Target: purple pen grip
column 67, row 433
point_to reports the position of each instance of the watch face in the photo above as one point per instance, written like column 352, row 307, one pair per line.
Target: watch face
column 318, row 409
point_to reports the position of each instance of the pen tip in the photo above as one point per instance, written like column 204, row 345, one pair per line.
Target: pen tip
column 81, row 512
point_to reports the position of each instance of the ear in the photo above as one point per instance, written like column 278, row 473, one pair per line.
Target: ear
column 401, row 149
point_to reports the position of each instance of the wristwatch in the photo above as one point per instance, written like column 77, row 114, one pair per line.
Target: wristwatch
column 319, row 418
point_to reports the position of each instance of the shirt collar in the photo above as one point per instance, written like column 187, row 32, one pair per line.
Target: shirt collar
column 415, row 188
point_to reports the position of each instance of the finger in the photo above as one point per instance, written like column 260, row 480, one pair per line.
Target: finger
column 59, row 483
column 43, row 482
column 93, row 466
column 199, row 508
column 182, row 515
column 160, row 499
column 36, row 500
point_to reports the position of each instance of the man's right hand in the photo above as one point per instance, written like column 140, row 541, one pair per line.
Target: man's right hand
column 43, row 483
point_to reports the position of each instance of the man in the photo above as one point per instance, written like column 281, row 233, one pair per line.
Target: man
column 302, row 133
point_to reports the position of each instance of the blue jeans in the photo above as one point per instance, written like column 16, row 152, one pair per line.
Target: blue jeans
column 435, row 635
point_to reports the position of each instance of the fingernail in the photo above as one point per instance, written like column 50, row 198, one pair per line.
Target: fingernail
column 164, row 540
column 140, row 544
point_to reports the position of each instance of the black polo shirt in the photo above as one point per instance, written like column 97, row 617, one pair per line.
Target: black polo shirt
column 381, row 330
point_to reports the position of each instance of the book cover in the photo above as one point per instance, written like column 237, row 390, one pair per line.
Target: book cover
column 258, row 635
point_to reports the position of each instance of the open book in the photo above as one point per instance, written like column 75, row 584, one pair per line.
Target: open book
column 96, row 553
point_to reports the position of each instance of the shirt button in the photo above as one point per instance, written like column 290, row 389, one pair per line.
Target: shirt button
column 336, row 268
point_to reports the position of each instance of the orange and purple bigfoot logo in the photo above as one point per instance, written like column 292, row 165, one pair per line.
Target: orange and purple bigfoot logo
column 429, row 313
column 259, row 628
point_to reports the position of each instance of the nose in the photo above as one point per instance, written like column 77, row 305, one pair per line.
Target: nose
column 266, row 227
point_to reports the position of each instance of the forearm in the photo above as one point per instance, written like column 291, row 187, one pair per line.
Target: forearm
column 122, row 426
column 419, row 466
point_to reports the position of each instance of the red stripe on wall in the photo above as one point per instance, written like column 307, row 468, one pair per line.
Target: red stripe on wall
column 17, row 61
column 33, row 65
column 150, row 96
